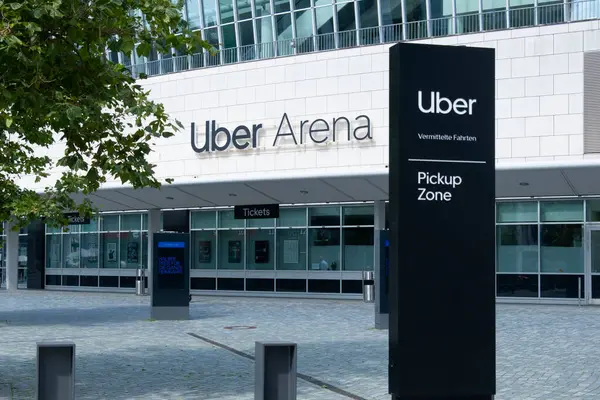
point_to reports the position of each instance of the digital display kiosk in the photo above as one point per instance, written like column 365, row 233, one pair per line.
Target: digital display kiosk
column 171, row 276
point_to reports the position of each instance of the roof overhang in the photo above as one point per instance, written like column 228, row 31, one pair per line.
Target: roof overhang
column 513, row 180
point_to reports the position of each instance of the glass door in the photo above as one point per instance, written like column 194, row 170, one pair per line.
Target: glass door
column 593, row 265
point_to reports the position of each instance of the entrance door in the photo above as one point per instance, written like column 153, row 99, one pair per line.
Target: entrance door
column 593, row 265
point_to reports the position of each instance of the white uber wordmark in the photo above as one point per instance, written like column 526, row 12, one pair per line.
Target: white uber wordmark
column 437, row 179
column 443, row 105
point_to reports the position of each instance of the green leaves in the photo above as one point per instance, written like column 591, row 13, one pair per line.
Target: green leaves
column 58, row 93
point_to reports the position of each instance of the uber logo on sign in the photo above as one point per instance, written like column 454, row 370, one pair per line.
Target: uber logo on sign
column 256, row 211
column 443, row 105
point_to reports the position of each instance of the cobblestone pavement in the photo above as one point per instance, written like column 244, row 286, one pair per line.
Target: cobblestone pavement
column 544, row 352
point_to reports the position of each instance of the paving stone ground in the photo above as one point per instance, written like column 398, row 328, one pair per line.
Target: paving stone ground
column 544, row 352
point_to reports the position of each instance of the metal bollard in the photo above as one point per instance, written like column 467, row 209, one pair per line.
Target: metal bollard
column 275, row 371
column 55, row 371
column 368, row 287
column 140, row 282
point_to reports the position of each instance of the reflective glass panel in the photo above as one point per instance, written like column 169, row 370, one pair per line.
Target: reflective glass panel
column 281, row 6
column 260, row 249
column 292, row 217
column 324, row 249
column 517, row 248
column 226, row 11
column 244, row 10
column 109, row 245
column 358, row 249
column 227, row 220
column 291, row 249
column 231, row 249
column 193, row 14
column 131, row 243
column 71, row 250
column 517, row 212
column 204, row 246
column 324, row 216
column 561, row 211
column 89, row 250
column 204, row 219
column 210, row 13
column 562, row 248
column 53, row 251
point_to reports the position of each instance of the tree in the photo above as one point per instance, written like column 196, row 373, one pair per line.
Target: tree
column 57, row 86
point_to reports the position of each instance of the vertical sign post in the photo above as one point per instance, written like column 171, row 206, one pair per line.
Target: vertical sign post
column 442, row 222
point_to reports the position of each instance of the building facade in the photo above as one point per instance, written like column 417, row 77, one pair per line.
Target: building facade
column 293, row 110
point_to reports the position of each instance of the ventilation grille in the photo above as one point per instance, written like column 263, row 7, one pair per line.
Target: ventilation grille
column 591, row 102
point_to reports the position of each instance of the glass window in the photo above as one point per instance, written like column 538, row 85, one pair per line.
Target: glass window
column 517, row 212
column 291, row 249
column 593, row 210
column 204, row 220
column 324, row 249
column 561, row 211
column 284, row 26
column 227, row 220
column 324, row 20
column 441, row 15
column 210, row 13
column 562, row 286
column 110, row 223
column 391, row 12
column 226, row 11
column 292, row 217
column 131, row 222
column 71, row 250
column 262, row 8
column 246, row 33
column 204, row 245
column 358, row 249
column 368, row 13
column 92, row 226
column 517, row 249
column 301, row 4
column 562, row 250
column 244, row 9
column 212, row 37
column 304, row 26
column 89, row 250
column 193, row 14
column 264, row 36
column 231, row 249
column 281, row 6
column 324, row 216
column 144, row 222
column 261, row 245
column 229, row 36
column 22, row 257
column 359, row 215
column 261, row 223
column 110, row 250
column 130, row 249
column 53, row 251
column 346, row 17
column 416, row 10
column 516, row 285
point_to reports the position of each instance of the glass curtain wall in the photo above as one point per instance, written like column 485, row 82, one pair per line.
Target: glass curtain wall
column 103, row 254
column 244, row 30
column 540, row 249
column 306, row 240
